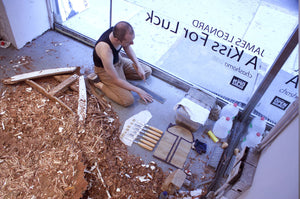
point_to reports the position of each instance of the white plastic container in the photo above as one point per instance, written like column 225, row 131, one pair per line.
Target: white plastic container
column 222, row 127
column 251, row 140
column 229, row 110
column 257, row 124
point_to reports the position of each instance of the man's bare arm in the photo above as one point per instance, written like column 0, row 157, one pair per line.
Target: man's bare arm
column 107, row 59
column 130, row 53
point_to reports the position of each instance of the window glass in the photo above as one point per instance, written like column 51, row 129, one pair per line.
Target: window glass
column 226, row 47
column 88, row 17
column 282, row 92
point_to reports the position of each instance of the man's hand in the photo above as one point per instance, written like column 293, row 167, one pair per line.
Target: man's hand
column 146, row 97
column 140, row 71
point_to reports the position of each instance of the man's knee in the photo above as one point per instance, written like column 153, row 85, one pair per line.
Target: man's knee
column 127, row 101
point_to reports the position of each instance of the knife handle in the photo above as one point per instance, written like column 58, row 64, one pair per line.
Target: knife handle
column 152, row 132
column 154, row 129
column 145, row 146
column 149, row 139
column 147, row 143
column 151, row 135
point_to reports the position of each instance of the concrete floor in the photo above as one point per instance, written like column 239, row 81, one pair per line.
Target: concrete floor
column 53, row 50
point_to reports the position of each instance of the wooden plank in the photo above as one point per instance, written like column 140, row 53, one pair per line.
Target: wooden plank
column 38, row 74
column 43, row 91
column 245, row 181
column 221, row 190
column 61, row 78
column 82, row 99
column 234, row 173
column 95, row 91
column 64, row 84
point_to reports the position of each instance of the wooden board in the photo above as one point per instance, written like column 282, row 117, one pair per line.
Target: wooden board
column 82, row 99
column 62, row 78
column 38, row 74
column 180, row 153
column 174, row 146
column 64, row 84
column 165, row 146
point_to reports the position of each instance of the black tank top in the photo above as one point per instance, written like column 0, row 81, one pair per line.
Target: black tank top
column 105, row 38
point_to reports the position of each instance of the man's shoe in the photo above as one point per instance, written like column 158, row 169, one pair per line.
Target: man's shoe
column 95, row 80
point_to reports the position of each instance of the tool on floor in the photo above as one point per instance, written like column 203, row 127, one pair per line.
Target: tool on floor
column 151, row 132
column 143, row 145
column 140, row 141
column 153, row 94
column 146, row 142
column 148, row 138
column 145, row 137
column 130, row 132
column 145, row 130
column 140, row 123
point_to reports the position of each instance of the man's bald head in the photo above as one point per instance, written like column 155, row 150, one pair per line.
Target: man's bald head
column 121, row 29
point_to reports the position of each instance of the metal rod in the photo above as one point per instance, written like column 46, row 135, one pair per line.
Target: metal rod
column 275, row 68
column 110, row 14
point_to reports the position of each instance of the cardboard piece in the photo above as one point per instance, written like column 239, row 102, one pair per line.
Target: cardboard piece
column 174, row 181
column 174, row 146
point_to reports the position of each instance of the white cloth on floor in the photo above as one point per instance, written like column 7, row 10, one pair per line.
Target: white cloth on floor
column 131, row 127
column 196, row 112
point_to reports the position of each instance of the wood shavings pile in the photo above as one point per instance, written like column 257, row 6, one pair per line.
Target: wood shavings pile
column 45, row 153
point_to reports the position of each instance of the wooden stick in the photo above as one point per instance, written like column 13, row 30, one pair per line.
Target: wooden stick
column 150, row 128
column 82, row 99
column 143, row 145
column 152, row 132
column 93, row 91
column 148, row 138
column 38, row 74
column 154, row 129
column 61, row 78
column 63, row 85
column 147, row 142
column 103, row 183
column 43, row 91
column 150, row 135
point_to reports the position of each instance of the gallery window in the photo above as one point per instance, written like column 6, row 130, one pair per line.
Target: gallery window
column 226, row 48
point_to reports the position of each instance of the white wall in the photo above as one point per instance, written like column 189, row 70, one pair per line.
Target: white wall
column 24, row 20
column 277, row 173
column 5, row 30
